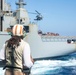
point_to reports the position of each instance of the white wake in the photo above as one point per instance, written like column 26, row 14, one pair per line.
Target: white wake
column 45, row 65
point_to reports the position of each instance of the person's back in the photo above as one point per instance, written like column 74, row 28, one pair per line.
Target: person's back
column 16, row 53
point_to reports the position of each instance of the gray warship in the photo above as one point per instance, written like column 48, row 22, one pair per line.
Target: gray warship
column 42, row 45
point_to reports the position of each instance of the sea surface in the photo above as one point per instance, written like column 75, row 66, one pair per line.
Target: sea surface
column 65, row 65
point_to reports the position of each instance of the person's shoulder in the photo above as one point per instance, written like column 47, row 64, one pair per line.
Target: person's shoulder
column 26, row 43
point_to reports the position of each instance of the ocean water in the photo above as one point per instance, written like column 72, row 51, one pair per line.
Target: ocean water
column 65, row 65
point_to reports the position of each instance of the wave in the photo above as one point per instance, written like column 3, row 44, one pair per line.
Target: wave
column 54, row 67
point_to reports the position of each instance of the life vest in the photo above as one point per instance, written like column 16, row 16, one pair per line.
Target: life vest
column 14, row 57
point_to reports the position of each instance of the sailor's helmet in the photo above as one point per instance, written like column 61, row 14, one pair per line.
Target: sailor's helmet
column 18, row 30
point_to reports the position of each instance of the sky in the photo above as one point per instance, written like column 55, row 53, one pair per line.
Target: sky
column 59, row 16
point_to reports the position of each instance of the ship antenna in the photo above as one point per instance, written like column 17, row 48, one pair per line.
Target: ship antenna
column 21, row 3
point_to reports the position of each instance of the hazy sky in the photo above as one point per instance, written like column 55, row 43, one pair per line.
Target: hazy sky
column 59, row 16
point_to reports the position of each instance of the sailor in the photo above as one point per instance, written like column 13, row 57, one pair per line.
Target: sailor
column 16, row 52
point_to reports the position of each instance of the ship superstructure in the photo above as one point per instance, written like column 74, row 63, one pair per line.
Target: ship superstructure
column 42, row 45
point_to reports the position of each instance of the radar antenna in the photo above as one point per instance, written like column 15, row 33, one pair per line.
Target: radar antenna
column 21, row 3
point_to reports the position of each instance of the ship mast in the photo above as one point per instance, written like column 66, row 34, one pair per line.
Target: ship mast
column 22, row 14
column 20, row 4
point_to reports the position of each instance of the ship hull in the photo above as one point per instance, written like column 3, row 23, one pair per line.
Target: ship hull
column 48, row 49
column 44, row 46
column 43, row 49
